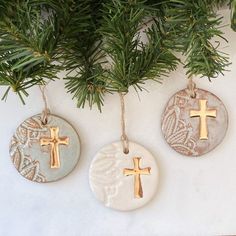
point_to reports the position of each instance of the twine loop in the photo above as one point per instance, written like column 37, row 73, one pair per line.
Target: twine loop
column 124, row 137
column 46, row 112
column 191, row 87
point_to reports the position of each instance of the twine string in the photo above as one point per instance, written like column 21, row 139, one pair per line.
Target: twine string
column 46, row 111
column 191, row 87
column 124, row 137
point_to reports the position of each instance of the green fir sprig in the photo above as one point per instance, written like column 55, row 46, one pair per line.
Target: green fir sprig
column 106, row 46
column 197, row 32
column 28, row 46
column 134, row 61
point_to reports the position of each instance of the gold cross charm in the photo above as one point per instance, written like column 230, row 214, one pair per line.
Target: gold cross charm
column 138, row 190
column 54, row 141
column 203, row 113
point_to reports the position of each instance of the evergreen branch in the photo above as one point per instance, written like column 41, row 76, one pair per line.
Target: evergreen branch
column 28, row 46
column 38, row 38
column 82, row 53
column 233, row 14
column 134, row 62
column 195, row 27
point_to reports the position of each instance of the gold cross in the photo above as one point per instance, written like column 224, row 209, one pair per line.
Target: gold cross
column 54, row 141
column 138, row 190
column 203, row 113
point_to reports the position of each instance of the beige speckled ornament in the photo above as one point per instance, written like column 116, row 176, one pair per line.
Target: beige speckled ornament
column 194, row 126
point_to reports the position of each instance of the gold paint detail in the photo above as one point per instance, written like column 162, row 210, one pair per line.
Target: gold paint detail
column 203, row 113
column 137, row 171
column 54, row 141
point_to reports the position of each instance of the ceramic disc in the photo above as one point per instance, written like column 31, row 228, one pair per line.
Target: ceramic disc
column 194, row 126
column 45, row 153
column 124, row 181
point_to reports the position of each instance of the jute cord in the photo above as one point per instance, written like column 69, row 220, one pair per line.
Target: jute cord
column 124, row 137
column 191, row 87
column 46, row 111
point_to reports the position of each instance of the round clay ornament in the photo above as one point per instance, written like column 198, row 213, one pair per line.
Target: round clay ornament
column 123, row 181
column 45, row 153
column 194, row 126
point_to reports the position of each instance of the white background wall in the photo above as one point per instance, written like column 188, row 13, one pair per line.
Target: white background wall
column 195, row 196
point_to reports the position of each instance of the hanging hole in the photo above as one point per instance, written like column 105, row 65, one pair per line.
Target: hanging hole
column 126, row 151
column 192, row 92
column 44, row 117
column 125, row 143
column 44, row 121
column 193, row 95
